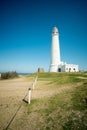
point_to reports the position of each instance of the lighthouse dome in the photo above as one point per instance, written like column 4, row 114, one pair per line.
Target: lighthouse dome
column 55, row 30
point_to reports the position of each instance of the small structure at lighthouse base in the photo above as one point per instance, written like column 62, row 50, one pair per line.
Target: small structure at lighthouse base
column 64, row 67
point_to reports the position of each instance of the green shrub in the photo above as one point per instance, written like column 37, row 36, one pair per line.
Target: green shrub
column 8, row 75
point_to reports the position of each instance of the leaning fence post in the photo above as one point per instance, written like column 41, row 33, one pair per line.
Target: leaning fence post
column 33, row 85
column 35, row 80
column 29, row 95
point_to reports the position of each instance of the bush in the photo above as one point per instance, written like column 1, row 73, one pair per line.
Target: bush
column 8, row 75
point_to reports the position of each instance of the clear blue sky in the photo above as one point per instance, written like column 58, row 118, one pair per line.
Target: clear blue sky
column 25, row 33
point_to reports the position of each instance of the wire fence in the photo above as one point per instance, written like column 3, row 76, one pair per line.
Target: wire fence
column 26, row 101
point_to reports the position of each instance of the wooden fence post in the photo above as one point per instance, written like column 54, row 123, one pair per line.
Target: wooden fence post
column 36, row 80
column 29, row 95
column 33, row 85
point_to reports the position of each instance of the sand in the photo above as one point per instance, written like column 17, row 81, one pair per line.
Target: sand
column 11, row 94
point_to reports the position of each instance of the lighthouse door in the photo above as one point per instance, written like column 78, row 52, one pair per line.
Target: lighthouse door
column 59, row 69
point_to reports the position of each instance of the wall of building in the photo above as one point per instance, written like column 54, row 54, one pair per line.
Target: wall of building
column 40, row 70
column 69, row 68
column 54, row 68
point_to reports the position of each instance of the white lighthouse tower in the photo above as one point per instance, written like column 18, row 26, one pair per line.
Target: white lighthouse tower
column 56, row 64
column 55, row 51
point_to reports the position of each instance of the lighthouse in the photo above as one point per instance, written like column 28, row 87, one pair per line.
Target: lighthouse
column 56, row 65
column 55, row 51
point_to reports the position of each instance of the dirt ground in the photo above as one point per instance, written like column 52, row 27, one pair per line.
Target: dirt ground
column 11, row 94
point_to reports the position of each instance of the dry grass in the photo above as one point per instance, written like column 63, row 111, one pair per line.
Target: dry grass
column 50, row 101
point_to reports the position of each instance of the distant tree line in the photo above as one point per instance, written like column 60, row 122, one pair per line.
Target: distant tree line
column 8, row 75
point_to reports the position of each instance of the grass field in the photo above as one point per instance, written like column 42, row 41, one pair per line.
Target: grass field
column 58, row 102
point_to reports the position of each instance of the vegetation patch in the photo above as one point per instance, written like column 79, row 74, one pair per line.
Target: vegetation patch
column 79, row 98
column 9, row 75
column 62, row 111
column 77, row 119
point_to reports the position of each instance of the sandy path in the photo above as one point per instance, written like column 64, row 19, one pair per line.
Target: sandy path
column 11, row 94
column 44, row 89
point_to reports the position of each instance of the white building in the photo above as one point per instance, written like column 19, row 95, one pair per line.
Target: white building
column 56, row 64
